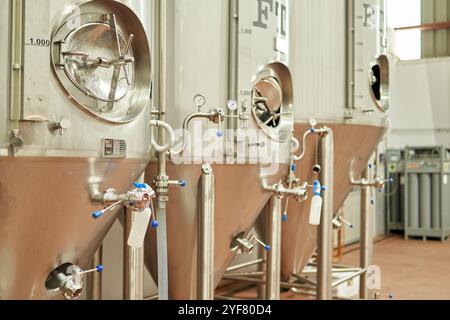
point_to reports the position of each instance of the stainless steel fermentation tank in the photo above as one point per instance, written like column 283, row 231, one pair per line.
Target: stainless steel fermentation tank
column 75, row 91
column 227, row 69
column 352, row 99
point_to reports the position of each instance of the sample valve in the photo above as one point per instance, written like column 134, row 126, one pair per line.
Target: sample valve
column 246, row 245
column 138, row 200
column 70, row 283
column 338, row 221
column 16, row 141
column 376, row 182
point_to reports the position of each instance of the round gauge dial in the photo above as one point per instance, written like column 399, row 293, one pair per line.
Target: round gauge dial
column 199, row 100
column 232, row 105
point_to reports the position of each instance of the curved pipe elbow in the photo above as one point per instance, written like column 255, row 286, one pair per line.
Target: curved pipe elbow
column 170, row 138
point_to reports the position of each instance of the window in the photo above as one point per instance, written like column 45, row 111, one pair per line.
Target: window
column 405, row 44
column 419, row 28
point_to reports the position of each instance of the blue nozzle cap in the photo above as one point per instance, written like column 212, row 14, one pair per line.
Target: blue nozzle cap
column 219, row 134
column 284, row 217
column 183, row 183
column 317, row 188
column 97, row 214
column 267, row 248
column 155, row 224
column 323, row 188
column 370, row 166
column 140, row 185
column 99, row 268
column 293, row 168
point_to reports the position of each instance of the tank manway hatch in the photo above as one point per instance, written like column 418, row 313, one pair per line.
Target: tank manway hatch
column 379, row 82
column 101, row 56
column 272, row 101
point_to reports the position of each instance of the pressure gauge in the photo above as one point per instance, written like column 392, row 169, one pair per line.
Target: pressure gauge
column 199, row 101
column 232, row 105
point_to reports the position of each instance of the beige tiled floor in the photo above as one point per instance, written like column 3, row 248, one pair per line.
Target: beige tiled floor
column 413, row 269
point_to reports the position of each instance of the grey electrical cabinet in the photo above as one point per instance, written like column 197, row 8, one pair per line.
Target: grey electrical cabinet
column 395, row 191
column 427, row 192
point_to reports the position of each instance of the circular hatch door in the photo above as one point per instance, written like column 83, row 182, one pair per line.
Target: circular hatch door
column 101, row 56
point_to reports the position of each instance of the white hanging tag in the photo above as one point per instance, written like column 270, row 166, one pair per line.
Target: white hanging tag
column 316, row 211
column 139, row 228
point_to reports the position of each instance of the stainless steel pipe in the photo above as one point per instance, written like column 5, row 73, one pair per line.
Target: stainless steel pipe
column 367, row 216
column 233, row 59
column 161, row 211
column 349, row 277
column 133, row 263
column 245, row 265
column 273, row 265
column 205, row 231
column 325, row 234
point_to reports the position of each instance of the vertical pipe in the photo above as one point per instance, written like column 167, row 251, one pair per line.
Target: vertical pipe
column 367, row 216
column 16, row 84
column 261, row 267
column 273, row 265
column 325, row 232
column 133, row 268
column 350, row 51
column 205, row 232
column 233, row 57
column 94, row 282
column 133, row 261
column 163, row 278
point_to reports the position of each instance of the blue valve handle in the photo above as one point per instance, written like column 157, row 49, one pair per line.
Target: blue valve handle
column 140, row 185
column 97, row 214
column 183, row 183
column 317, row 188
column 293, row 168
column 284, row 217
column 155, row 224
column 98, row 269
column 266, row 246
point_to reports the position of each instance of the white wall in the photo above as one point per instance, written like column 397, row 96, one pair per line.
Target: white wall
column 420, row 103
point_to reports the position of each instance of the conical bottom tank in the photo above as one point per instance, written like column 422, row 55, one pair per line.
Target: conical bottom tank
column 239, row 200
column 354, row 145
column 45, row 218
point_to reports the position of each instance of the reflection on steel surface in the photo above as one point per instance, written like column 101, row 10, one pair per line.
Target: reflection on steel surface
column 46, row 220
column 239, row 200
column 354, row 144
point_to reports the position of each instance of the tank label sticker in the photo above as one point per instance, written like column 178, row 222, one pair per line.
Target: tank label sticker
column 114, row 149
